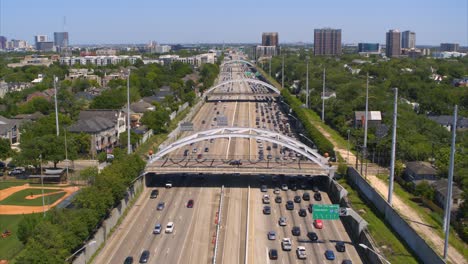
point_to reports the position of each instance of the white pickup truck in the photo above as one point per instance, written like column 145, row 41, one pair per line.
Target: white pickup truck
column 286, row 244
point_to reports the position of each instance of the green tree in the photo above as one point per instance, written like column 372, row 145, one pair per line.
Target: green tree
column 5, row 148
column 156, row 120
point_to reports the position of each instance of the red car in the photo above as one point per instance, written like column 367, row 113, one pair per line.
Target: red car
column 318, row 223
column 190, row 203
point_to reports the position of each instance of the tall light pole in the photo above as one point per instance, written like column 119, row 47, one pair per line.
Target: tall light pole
column 347, row 160
column 366, row 247
column 282, row 73
column 392, row 161
column 307, row 82
column 323, row 97
column 56, row 107
column 365, row 121
column 448, row 201
column 129, row 146
column 66, row 151
column 42, row 186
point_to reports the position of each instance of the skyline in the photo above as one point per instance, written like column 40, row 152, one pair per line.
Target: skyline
column 209, row 21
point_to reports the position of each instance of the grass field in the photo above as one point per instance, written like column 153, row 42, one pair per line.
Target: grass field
column 8, row 184
column 19, row 198
column 10, row 246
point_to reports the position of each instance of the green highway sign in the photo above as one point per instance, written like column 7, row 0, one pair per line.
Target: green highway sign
column 326, row 211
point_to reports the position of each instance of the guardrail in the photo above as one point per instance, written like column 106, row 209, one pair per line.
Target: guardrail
column 219, row 223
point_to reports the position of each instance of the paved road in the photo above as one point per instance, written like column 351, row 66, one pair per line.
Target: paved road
column 193, row 238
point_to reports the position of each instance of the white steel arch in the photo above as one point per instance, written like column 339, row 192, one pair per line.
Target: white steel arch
column 253, row 133
column 255, row 81
column 238, row 61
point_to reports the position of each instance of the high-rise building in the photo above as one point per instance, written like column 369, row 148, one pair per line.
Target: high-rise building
column 38, row 39
column 270, row 39
column 3, row 41
column 327, row 41
column 408, row 40
column 449, row 47
column 393, row 48
column 369, row 47
column 61, row 39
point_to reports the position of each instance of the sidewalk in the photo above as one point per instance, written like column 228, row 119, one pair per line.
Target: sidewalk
column 417, row 222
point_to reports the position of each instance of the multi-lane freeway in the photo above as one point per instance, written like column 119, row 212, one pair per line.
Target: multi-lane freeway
column 243, row 225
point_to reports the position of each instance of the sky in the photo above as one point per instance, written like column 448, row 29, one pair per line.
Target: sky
column 239, row 21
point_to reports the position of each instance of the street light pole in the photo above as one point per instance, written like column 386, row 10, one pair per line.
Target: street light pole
column 382, row 257
column 42, row 186
column 392, row 161
column 307, row 82
column 282, row 73
column 347, row 160
column 323, row 97
column 129, row 146
column 270, row 64
column 56, row 107
column 365, row 122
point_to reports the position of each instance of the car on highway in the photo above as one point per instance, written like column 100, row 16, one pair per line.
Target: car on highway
column 263, row 188
column 297, row 199
column 317, row 196
column 190, row 203
column 128, row 260
column 284, row 187
column 310, row 208
column 199, row 156
column 276, row 191
column 170, row 227
column 266, row 210
column 144, row 256
column 154, row 194
column 271, row 235
column 266, row 199
column 312, row 236
column 318, row 223
column 235, row 162
column 157, row 229
column 346, row 261
column 289, row 205
column 207, row 149
column 315, row 188
column 329, row 254
column 278, row 199
column 340, row 246
column 168, row 184
column 160, row 206
column 286, row 244
column 302, row 212
column 306, row 196
column 273, row 254
column 301, row 252
column 296, row 231
column 282, row 221
column 194, row 150
column 294, row 187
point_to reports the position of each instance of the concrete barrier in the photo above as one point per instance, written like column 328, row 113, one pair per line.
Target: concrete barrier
column 416, row 243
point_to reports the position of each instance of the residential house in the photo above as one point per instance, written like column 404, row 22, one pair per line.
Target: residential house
column 328, row 95
column 374, row 118
column 29, row 117
column 137, row 110
column 160, row 95
column 46, row 94
column 9, row 129
column 104, row 126
column 440, row 188
column 418, row 171
column 446, row 121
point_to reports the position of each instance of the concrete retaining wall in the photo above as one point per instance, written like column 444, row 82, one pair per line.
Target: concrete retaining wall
column 104, row 231
column 418, row 245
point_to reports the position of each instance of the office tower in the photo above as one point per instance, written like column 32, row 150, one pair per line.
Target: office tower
column 61, row 39
column 327, row 41
column 393, row 43
column 38, row 39
column 270, row 39
column 408, row 40
column 369, row 47
column 448, row 47
column 3, row 41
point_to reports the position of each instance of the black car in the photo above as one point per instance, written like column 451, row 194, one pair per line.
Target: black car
column 154, row 194
column 290, row 205
column 306, row 196
column 317, row 196
column 346, row 261
column 186, row 152
column 303, row 212
column 144, row 256
column 294, row 187
column 296, row 231
column 340, row 246
column 128, row 260
column 273, row 254
column 312, row 236
column 310, row 208
column 297, row 199
column 266, row 210
column 278, row 199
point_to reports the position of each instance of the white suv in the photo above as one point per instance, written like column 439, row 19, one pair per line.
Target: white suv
column 170, row 227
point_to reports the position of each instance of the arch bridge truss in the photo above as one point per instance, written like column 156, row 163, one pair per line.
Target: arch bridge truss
column 254, row 81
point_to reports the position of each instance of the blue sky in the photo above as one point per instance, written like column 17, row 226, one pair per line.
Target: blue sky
column 192, row 21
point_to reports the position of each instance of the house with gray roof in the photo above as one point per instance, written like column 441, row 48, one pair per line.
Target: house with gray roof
column 374, row 118
column 9, row 129
column 419, row 171
column 447, row 121
column 104, row 126
column 440, row 188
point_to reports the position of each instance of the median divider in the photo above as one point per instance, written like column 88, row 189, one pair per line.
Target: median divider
column 218, row 224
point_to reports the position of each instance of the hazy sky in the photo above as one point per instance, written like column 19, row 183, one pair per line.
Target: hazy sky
column 192, row 21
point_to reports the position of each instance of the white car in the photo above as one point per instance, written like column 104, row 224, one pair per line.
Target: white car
column 170, row 227
column 284, row 187
column 276, row 191
column 282, row 221
column 301, row 252
column 286, row 244
column 266, row 199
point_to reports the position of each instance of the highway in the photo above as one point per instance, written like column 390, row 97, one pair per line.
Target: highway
column 193, row 238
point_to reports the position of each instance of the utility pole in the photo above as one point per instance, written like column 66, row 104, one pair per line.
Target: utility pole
column 347, row 160
column 323, row 97
column 282, row 73
column 448, row 201
column 365, row 122
column 56, row 107
column 129, row 146
column 66, row 151
column 307, row 82
column 42, row 184
column 270, row 64
column 392, row 161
